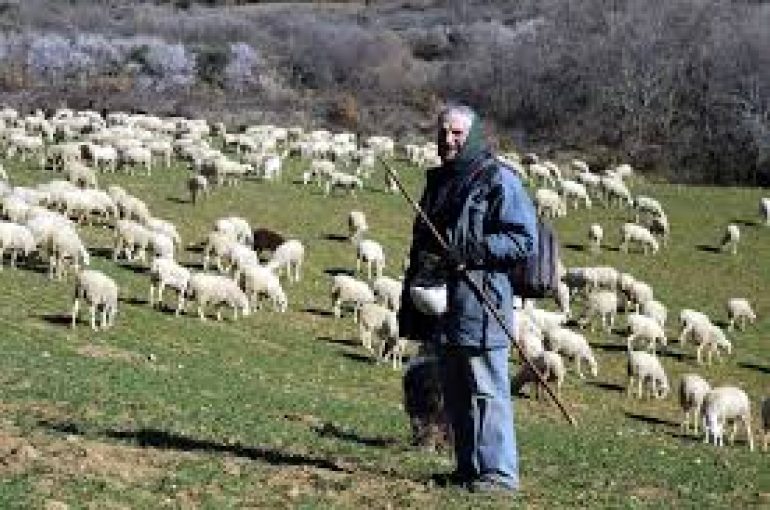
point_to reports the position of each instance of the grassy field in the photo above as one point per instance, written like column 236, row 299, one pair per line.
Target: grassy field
column 288, row 410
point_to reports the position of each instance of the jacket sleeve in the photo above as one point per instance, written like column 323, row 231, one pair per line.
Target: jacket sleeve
column 512, row 228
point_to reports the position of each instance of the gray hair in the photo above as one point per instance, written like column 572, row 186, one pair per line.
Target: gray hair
column 457, row 108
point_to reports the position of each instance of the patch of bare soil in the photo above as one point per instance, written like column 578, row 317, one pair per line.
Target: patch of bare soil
column 107, row 352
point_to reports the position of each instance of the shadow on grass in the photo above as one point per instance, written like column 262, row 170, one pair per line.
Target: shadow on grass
column 335, row 237
column 135, row 269
column 337, row 432
column 607, row 386
column 745, row 223
column 333, row 271
column 318, row 312
column 133, row 300
column 198, row 266
column 195, row 248
column 575, row 247
column 708, row 248
column 178, row 200
column 652, row 420
column 361, row 358
column 610, row 347
column 57, row 319
column 339, row 341
column 754, row 366
column 105, row 253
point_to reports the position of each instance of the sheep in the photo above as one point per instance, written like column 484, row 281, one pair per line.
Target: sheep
column 544, row 319
column 356, row 224
column 81, row 175
column 687, row 319
column 765, row 422
column 739, row 310
column 99, row 291
column 615, row 190
column 217, row 245
column 346, row 289
column 16, row 238
column 133, row 208
column 577, row 191
column 289, row 254
column 562, row 298
column 258, row 281
column 375, row 319
column 198, row 186
column 692, row 390
column 764, row 210
column 265, row 239
column 549, row 204
column 271, row 167
column 393, row 347
column 573, row 345
column 131, row 239
column 371, row 252
column 388, row 292
column 65, row 245
column 541, row 173
column 641, row 326
column 646, row 368
column 217, row 290
column 238, row 257
column 630, row 232
column 161, row 245
column 595, row 236
column 655, row 310
column 164, row 227
column 658, row 226
column 603, row 303
column 731, row 238
column 723, row 404
column 647, row 205
column 551, row 367
column 165, row 272
column 637, row 292
column 711, row 337
column 237, row 226
column 343, row 181
column 132, row 156
column 530, row 341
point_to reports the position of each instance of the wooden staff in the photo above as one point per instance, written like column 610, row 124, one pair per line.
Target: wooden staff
column 479, row 294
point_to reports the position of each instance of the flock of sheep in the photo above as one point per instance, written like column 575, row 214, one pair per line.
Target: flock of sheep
column 242, row 266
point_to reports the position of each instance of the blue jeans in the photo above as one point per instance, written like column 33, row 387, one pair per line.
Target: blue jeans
column 477, row 395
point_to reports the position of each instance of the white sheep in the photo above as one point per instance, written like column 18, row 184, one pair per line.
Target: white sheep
column 371, row 252
column 764, row 210
column 165, row 272
column 573, row 345
column 723, row 404
column 343, row 181
column 161, row 245
column 692, row 390
column 687, row 319
column 164, row 227
column 65, row 247
column 375, row 319
column 603, row 303
column 388, row 292
column 346, row 289
column 739, row 310
column 595, row 236
column 356, row 224
column 646, row 368
column 709, row 336
column 731, row 238
column 656, row 310
column 236, row 226
column 572, row 190
column 645, row 328
column 549, row 204
column 637, row 292
column 217, row 246
column 544, row 319
column 615, row 190
column 647, row 205
column 99, row 291
column 630, row 232
column 551, row 367
column 259, row 281
column 17, row 239
column 131, row 239
column 217, row 290
column 288, row 255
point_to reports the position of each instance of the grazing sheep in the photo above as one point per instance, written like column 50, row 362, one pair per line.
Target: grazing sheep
column 595, row 236
column 723, row 404
column 603, row 303
column 614, row 190
column 343, row 181
column 658, row 226
column 631, row 232
column 165, row 272
column 549, row 204
column 656, row 310
column 81, row 175
column 551, row 367
column 99, row 291
column 217, row 246
column 575, row 191
column 133, row 156
column 161, row 245
column 646, row 368
column 687, row 319
column 260, row 281
column 65, row 246
column 388, row 292
column 541, row 174
column 217, row 290
column 731, row 238
column 692, row 390
column 562, row 298
column 375, row 319
column 346, row 289
column 739, row 310
column 765, row 422
column 356, row 224
column 646, row 328
column 573, row 345
column 371, row 252
column 266, row 240
column 198, row 186
column 238, row 257
column 711, row 337
column 164, row 227
column 528, row 337
column 544, row 319
column 238, row 226
column 132, row 239
column 289, row 254
column 636, row 292
column 647, row 205
column 764, row 210
column 17, row 239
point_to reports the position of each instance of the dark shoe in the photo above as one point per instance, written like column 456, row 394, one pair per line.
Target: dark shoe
column 487, row 486
column 453, row 479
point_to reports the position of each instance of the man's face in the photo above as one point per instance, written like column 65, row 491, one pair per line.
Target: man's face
column 452, row 132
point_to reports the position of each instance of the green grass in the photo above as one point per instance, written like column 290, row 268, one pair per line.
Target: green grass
column 286, row 410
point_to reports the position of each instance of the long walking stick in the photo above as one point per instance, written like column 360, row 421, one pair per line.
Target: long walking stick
column 479, row 294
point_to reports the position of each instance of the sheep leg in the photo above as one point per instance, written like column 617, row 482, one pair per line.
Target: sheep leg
column 629, row 387
column 641, row 384
column 105, row 322
column 180, row 303
column 14, row 254
column 92, row 310
column 698, row 353
column 200, row 312
column 75, row 307
column 152, row 296
column 630, row 341
column 746, row 419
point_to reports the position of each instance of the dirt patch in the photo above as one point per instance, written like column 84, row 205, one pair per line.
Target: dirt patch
column 107, row 352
